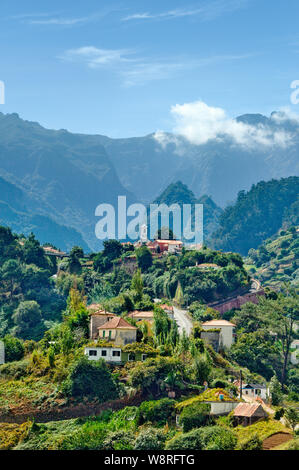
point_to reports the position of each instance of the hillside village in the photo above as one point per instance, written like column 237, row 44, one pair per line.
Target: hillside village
column 107, row 337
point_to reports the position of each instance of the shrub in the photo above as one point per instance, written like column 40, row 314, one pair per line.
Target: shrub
column 14, row 348
column 209, row 438
column 119, row 440
column 158, row 411
column 279, row 414
column 218, row 438
column 254, row 443
column 14, row 370
column 191, row 440
column 150, row 439
column 90, row 379
column 195, row 416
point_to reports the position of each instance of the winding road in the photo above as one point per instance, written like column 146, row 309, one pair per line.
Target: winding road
column 183, row 320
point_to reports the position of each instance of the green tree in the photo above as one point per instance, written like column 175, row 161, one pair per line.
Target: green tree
column 90, row 379
column 275, row 391
column 137, row 285
column 144, row 258
column 28, row 320
column 291, row 415
column 14, row 348
column 11, row 275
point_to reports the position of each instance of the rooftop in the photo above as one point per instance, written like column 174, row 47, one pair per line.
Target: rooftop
column 139, row 314
column 170, row 242
column 247, row 409
column 218, row 323
column 117, row 323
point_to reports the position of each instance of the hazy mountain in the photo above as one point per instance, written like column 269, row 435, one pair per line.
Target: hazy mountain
column 220, row 167
column 65, row 176
column 14, row 214
column 62, row 175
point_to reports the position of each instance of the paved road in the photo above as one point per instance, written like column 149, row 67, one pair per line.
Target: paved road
column 183, row 321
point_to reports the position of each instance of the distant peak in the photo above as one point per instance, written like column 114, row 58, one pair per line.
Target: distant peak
column 253, row 119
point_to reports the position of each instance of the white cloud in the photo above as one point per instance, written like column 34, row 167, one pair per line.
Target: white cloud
column 199, row 123
column 137, row 70
column 59, row 21
column 206, row 11
column 96, row 57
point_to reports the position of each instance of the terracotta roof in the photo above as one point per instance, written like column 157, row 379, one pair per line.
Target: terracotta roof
column 52, row 250
column 247, row 409
column 170, row 242
column 166, row 307
column 136, row 313
column 218, row 323
column 117, row 323
column 96, row 309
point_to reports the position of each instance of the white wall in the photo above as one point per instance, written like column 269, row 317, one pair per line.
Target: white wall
column 222, row 407
column 226, row 338
column 109, row 354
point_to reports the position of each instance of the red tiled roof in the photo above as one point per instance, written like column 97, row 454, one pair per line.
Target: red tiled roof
column 117, row 323
column 166, row 307
column 170, row 242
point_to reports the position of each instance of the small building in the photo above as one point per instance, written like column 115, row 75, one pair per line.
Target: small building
column 170, row 246
column 253, row 390
column 142, row 316
column 248, row 413
column 212, row 337
column 109, row 354
column 98, row 318
column 113, row 355
column 2, row 353
column 118, row 331
column 294, row 354
column 168, row 309
column 227, row 331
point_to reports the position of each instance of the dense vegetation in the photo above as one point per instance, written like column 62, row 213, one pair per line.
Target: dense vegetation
column 45, row 336
column 276, row 261
column 258, row 214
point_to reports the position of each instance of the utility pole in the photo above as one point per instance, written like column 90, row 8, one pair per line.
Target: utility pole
column 241, row 384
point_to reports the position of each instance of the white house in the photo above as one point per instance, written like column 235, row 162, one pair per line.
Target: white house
column 108, row 354
column 253, row 390
column 227, row 331
column 294, row 353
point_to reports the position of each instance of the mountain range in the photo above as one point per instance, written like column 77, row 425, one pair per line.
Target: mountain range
column 63, row 177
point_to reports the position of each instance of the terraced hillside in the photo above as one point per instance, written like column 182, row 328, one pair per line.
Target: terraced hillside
column 277, row 260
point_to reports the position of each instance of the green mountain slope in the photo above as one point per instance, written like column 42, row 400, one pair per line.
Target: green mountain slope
column 179, row 193
column 257, row 215
column 277, row 260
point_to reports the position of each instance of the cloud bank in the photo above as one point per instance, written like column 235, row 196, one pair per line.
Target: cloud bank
column 199, row 123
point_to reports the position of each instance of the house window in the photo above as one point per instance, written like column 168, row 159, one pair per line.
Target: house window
column 116, row 353
column 104, row 353
column 110, row 334
column 104, row 332
column 131, row 357
column 93, row 352
column 143, row 357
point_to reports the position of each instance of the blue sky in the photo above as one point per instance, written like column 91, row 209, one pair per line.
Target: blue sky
column 118, row 67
